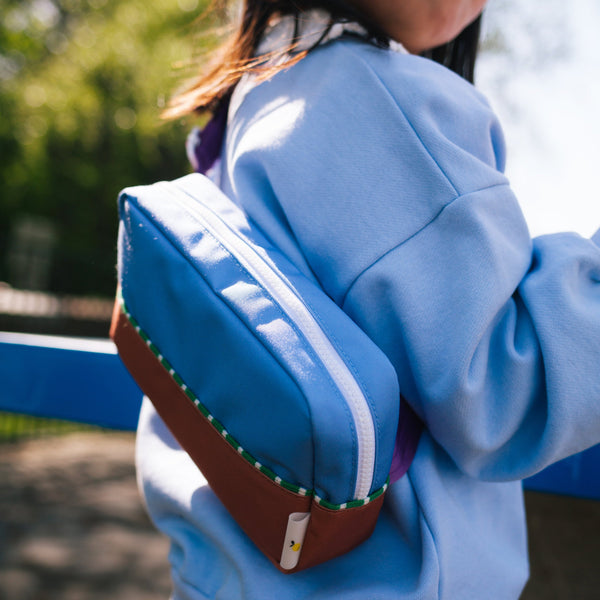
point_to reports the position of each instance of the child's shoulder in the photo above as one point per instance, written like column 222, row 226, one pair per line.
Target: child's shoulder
column 348, row 98
column 434, row 100
column 360, row 70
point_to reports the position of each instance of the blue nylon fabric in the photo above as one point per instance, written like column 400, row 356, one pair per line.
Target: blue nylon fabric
column 381, row 176
column 239, row 352
column 368, row 365
column 195, row 347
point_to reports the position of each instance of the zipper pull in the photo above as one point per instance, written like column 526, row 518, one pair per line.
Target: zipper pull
column 294, row 538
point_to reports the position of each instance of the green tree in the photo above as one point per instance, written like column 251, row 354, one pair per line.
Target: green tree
column 82, row 85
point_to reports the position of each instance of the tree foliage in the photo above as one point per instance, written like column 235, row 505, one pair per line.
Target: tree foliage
column 82, row 85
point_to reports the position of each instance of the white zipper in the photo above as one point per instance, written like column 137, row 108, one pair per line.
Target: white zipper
column 289, row 301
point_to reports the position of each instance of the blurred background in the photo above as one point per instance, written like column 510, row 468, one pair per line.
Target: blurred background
column 540, row 68
column 82, row 85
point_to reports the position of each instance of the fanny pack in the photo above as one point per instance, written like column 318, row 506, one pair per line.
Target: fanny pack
column 284, row 403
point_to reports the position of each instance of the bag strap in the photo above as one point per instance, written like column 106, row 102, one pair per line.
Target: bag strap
column 407, row 440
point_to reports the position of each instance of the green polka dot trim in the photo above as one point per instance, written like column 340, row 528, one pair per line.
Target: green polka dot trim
column 291, row 487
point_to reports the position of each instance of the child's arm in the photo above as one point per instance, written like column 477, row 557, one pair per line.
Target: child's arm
column 502, row 363
column 389, row 182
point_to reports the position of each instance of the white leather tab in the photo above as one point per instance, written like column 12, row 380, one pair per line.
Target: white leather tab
column 294, row 538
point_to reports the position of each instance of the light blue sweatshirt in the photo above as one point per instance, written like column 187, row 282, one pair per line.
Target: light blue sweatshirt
column 381, row 176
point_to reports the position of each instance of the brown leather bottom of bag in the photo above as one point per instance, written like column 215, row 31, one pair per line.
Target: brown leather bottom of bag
column 260, row 506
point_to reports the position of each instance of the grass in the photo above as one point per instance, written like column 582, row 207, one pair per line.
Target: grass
column 15, row 427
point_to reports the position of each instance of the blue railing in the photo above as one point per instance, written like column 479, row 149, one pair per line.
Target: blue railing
column 75, row 379
column 83, row 380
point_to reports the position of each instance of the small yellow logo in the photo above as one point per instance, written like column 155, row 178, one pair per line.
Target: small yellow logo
column 295, row 546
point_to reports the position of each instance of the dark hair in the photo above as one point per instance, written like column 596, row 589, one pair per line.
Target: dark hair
column 460, row 53
column 236, row 55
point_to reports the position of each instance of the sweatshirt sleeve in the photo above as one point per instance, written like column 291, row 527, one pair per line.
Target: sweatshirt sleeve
column 496, row 339
column 389, row 185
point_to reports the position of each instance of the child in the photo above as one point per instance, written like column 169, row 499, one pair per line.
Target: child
column 379, row 173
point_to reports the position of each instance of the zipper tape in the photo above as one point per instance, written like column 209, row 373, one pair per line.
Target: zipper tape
column 289, row 301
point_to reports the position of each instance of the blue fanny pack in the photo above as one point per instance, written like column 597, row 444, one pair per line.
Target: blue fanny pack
column 284, row 403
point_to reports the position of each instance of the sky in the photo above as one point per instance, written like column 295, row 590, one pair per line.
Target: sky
column 545, row 87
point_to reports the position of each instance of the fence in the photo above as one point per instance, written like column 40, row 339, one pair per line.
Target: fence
column 40, row 312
